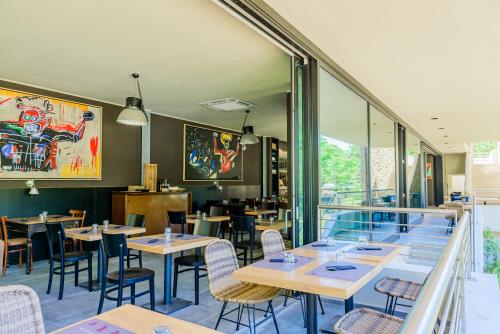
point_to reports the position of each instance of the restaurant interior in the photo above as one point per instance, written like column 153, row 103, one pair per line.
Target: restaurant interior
column 147, row 179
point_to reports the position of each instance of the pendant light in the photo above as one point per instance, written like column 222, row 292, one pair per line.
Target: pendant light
column 248, row 137
column 134, row 113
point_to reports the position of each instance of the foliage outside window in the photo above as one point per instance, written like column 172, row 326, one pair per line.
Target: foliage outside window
column 491, row 254
column 485, row 153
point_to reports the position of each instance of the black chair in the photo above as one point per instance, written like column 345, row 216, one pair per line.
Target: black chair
column 177, row 218
column 245, row 224
column 196, row 261
column 234, row 201
column 251, row 202
column 115, row 245
column 55, row 235
column 216, row 211
column 135, row 220
column 236, row 209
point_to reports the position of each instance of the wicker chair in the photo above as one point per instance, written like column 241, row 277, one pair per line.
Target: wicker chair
column 396, row 288
column 272, row 244
column 366, row 321
column 221, row 262
column 20, row 311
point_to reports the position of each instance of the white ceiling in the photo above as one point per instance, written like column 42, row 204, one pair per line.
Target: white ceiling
column 421, row 58
column 186, row 52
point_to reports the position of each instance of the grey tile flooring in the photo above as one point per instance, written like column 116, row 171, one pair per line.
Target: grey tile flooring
column 78, row 303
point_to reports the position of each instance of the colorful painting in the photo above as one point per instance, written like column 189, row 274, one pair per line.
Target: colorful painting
column 47, row 138
column 211, row 154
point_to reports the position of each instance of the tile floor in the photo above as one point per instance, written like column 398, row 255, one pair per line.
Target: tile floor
column 79, row 304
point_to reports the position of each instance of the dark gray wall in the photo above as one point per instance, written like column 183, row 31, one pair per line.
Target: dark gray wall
column 121, row 148
column 167, row 142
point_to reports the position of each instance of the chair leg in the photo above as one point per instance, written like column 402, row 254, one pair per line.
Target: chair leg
column 394, row 306
column 152, row 293
column 51, row 275
column 253, row 320
column 120, row 295
column 77, row 268
column 390, row 305
column 245, row 255
column 220, row 315
column 176, row 274
column 321, row 305
column 249, row 320
column 386, row 304
column 89, row 266
column 140, row 259
column 238, row 318
column 274, row 316
column 81, row 246
column 61, row 280
column 128, row 259
column 196, row 285
column 286, row 297
column 21, row 258
column 132, row 294
column 103, row 292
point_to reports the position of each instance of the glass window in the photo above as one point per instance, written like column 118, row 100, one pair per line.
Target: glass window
column 382, row 159
column 413, row 172
column 343, row 144
column 343, row 155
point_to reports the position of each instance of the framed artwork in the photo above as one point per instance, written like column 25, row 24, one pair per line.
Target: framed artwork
column 47, row 138
column 211, row 154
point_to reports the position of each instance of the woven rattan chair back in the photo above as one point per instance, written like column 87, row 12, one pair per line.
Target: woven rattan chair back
column 20, row 311
column 272, row 243
column 221, row 262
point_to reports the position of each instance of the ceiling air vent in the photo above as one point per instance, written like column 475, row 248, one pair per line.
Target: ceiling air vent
column 229, row 104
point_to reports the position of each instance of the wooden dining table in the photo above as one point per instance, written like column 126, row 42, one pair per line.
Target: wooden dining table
column 310, row 276
column 157, row 244
column 86, row 234
column 259, row 212
column 31, row 225
column 191, row 219
column 134, row 319
column 266, row 224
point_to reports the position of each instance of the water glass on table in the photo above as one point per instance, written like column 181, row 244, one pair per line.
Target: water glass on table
column 363, row 241
column 168, row 233
column 330, row 243
column 162, row 330
column 288, row 257
column 95, row 228
column 105, row 224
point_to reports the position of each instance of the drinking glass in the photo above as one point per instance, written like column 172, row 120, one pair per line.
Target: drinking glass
column 204, row 215
column 198, row 213
column 95, row 228
column 330, row 243
column 341, row 255
column 362, row 240
column 168, row 233
column 162, row 330
column 289, row 257
column 105, row 224
column 271, row 220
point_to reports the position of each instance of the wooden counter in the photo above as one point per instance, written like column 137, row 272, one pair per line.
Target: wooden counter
column 153, row 205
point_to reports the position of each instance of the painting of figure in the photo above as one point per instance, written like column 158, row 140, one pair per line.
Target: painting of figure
column 211, row 154
column 48, row 138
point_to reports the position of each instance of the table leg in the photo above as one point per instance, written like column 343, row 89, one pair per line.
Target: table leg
column 349, row 304
column 29, row 247
column 96, row 283
column 170, row 304
column 312, row 313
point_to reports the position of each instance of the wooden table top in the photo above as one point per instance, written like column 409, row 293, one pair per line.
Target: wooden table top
column 265, row 224
column 253, row 212
column 75, row 233
column 191, row 219
column 36, row 220
column 173, row 246
column 299, row 281
column 142, row 321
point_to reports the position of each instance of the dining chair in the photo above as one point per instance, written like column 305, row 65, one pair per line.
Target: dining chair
column 195, row 262
column 216, row 211
column 396, row 288
column 234, row 201
column 224, row 226
column 221, row 262
column 115, row 245
column 80, row 214
column 272, row 245
column 236, row 209
column 251, row 202
column 56, row 237
column 366, row 321
column 177, row 218
column 20, row 311
column 135, row 220
column 12, row 245
column 245, row 226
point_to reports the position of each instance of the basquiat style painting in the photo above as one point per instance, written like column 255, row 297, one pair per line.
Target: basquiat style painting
column 211, row 155
column 48, row 138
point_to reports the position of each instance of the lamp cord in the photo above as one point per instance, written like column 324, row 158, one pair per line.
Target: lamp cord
column 245, row 121
column 140, row 96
